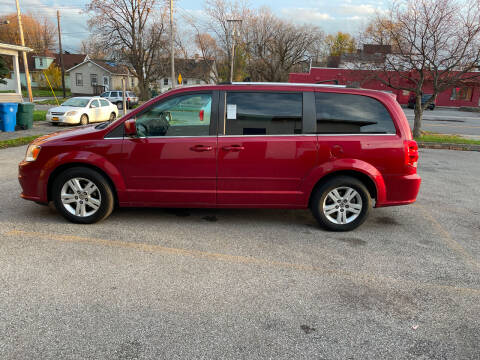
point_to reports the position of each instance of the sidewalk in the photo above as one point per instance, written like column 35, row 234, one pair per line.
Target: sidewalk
column 39, row 128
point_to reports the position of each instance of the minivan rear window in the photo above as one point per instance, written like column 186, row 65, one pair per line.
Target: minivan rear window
column 351, row 114
column 263, row 113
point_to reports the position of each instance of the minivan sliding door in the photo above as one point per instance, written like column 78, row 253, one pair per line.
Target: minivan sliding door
column 263, row 154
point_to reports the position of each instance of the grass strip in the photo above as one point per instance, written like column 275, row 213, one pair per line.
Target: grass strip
column 18, row 141
column 39, row 115
column 450, row 139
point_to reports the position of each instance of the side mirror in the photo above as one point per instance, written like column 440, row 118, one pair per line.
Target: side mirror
column 130, row 128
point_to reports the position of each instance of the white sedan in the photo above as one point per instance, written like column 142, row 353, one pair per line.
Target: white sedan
column 82, row 110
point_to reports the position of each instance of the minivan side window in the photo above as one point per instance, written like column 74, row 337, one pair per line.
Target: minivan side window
column 186, row 115
column 263, row 113
column 351, row 114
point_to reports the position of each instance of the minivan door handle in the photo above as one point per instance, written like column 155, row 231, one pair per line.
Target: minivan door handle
column 233, row 148
column 200, row 148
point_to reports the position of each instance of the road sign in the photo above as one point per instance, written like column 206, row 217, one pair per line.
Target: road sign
column 179, row 79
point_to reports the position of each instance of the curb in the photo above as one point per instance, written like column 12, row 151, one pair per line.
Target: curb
column 448, row 146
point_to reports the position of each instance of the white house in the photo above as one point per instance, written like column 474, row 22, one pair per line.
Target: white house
column 14, row 82
column 92, row 77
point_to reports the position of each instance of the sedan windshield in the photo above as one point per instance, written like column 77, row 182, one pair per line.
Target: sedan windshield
column 76, row 102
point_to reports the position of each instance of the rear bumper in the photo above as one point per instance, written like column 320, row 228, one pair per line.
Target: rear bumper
column 401, row 190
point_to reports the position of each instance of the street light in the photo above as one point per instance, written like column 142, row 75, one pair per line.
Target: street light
column 233, row 23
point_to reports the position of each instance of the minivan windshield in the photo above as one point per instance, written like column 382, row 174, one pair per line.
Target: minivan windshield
column 76, row 102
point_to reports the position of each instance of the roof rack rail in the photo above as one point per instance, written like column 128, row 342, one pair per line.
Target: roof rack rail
column 288, row 84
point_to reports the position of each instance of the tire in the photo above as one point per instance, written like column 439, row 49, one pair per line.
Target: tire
column 112, row 116
column 119, row 105
column 84, row 119
column 71, row 204
column 334, row 218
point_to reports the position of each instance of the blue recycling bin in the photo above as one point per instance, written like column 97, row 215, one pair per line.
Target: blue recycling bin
column 8, row 116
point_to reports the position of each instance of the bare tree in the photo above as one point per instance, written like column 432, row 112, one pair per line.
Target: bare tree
column 96, row 48
column 275, row 46
column 434, row 41
column 136, row 30
column 219, row 11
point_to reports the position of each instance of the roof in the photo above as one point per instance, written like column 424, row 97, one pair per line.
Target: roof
column 194, row 68
column 109, row 66
column 14, row 47
column 70, row 60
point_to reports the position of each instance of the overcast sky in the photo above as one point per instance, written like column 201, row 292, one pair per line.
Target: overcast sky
column 330, row 15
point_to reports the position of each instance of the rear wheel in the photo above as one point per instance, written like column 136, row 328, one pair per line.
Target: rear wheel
column 119, row 105
column 84, row 119
column 82, row 195
column 341, row 204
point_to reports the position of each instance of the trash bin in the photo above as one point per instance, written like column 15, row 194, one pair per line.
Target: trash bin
column 25, row 115
column 8, row 112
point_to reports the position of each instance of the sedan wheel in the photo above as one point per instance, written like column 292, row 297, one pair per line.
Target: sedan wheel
column 84, row 119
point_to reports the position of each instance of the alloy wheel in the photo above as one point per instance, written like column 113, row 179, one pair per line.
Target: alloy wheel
column 342, row 205
column 80, row 197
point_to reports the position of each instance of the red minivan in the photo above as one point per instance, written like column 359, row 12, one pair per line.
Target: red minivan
column 338, row 151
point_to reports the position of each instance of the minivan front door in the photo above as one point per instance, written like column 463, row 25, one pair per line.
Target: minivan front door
column 172, row 162
column 263, row 157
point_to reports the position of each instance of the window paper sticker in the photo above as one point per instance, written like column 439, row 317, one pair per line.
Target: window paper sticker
column 232, row 111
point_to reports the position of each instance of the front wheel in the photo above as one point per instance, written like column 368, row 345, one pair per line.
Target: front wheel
column 341, row 204
column 82, row 195
column 84, row 119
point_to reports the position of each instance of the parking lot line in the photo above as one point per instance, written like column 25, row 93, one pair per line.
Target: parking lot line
column 354, row 276
column 449, row 240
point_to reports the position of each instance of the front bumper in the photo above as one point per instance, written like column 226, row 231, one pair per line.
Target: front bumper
column 29, row 177
column 63, row 119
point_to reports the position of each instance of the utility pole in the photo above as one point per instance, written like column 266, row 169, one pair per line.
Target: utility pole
column 233, row 23
column 172, row 55
column 61, row 53
column 25, row 63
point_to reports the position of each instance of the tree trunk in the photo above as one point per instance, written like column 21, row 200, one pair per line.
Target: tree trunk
column 143, row 88
column 417, row 124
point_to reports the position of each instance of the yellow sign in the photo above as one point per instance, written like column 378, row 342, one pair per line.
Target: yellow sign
column 179, row 78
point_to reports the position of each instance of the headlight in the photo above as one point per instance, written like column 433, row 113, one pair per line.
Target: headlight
column 70, row 113
column 32, row 152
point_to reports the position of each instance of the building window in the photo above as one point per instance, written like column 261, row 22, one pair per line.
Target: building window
column 132, row 82
column 93, row 79
column 185, row 82
column 79, row 79
column 464, row 94
column 40, row 62
column 165, row 81
column 198, row 82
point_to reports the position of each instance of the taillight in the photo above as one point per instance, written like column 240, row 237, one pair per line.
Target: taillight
column 411, row 153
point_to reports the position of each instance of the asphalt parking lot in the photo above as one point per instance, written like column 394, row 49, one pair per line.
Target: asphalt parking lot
column 245, row 284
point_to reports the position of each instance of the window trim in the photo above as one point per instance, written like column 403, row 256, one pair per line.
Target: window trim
column 212, row 131
column 79, row 76
column 223, row 109
column 91, row 80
